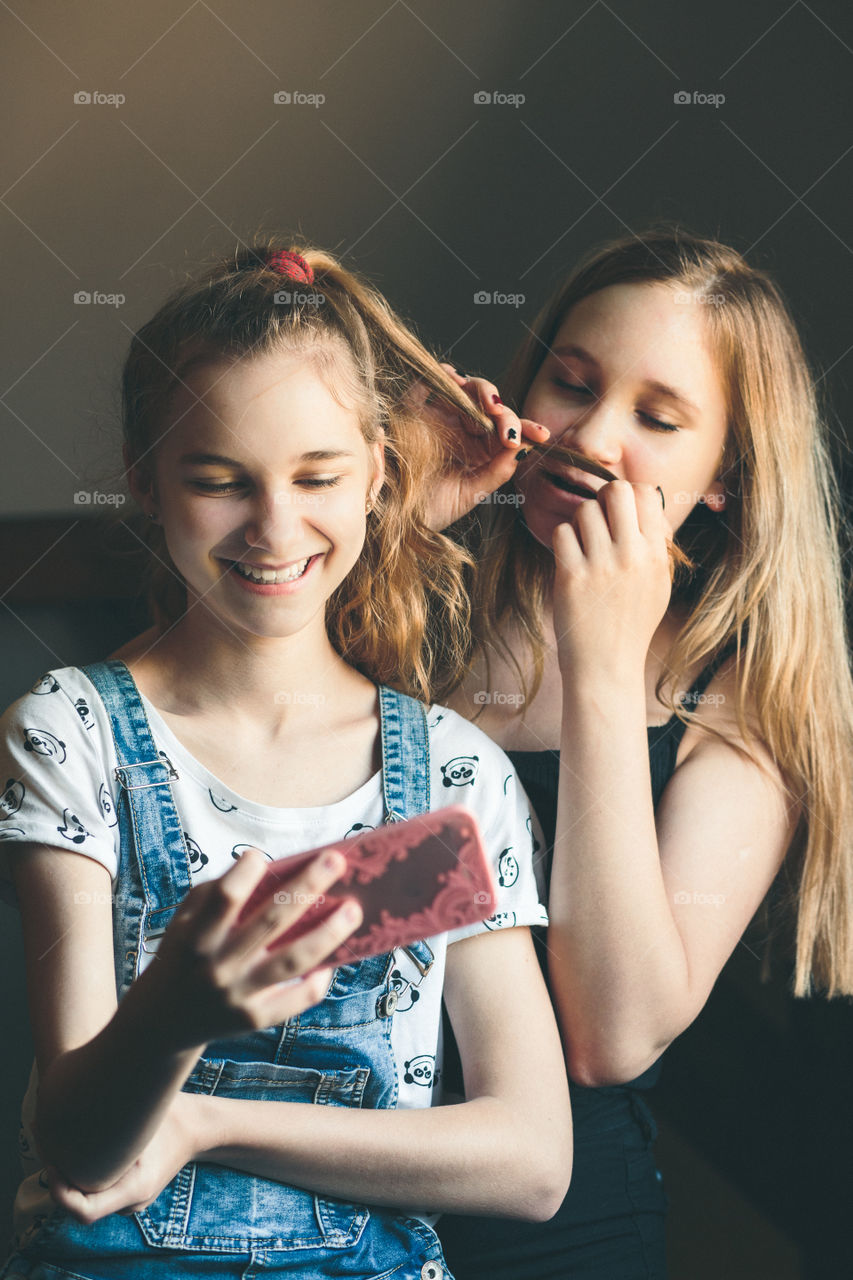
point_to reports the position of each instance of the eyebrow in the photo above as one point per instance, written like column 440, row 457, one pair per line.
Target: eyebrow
column 218, row 459
column 662, row 388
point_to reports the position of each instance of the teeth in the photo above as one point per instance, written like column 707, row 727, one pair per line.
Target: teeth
column 289, row 574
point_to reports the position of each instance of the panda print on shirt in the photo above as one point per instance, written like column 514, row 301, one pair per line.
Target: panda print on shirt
column 42, row 743
column 461, row 771
column 72, row 828
column 82, row 708
column 105, row 803
column 422, row 1070
column 198, row 858
column 45, row 684
column 224, row 806
column 507, row 868
column 239, row 849
column 12, row 798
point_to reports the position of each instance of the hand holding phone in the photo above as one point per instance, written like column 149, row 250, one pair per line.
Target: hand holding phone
column 413, row 879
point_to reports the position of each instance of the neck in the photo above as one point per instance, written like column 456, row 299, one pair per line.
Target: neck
column 270, row 684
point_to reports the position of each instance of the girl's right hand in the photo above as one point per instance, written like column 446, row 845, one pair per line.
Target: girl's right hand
column 479, row 463
column 215, row 977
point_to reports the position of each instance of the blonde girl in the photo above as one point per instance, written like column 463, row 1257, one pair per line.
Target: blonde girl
column 686, row 743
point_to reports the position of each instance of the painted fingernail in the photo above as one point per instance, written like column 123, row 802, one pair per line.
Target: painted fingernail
column 331, row 861
column 662, row 498
column 352, row 912
column 522, row 453
column 512, row 434
column 496, row 400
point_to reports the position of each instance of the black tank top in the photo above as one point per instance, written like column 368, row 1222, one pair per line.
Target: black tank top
column 611, row 1221
column 539, row 772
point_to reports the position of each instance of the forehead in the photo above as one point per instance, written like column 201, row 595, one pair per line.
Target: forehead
column 646, row 332
column 265, row 400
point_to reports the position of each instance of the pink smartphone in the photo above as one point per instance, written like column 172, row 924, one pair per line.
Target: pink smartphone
column 413, row 879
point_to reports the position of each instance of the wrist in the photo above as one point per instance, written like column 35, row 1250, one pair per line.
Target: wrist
column 143, row 1020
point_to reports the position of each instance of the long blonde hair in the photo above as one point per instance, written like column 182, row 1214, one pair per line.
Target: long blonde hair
column 766, row 579
column 402, row 614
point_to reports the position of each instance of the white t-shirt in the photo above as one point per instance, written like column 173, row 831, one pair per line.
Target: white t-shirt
column 57, row 753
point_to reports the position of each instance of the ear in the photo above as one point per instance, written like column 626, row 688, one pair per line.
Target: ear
column 377, row 453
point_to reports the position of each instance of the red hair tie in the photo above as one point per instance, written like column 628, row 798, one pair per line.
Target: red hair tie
column 292, row 265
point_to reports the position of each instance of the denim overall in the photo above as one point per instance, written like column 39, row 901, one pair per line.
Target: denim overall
column 211, row 1220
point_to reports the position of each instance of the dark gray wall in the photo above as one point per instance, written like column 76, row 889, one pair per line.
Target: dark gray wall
column 401, row 171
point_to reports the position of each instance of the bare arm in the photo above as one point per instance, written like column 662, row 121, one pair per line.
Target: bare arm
column 108, row 1074
column 644, row 916
column 505, row 1151
column 644, row 913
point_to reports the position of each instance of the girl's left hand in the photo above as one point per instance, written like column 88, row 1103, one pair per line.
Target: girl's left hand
column 173, row 1146
column 612, row 581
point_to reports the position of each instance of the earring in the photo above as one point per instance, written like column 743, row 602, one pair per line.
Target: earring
column 369, row 507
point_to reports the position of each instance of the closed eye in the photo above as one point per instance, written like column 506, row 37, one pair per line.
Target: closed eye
column 311, row 482
column 577, row 387
column 656, row 424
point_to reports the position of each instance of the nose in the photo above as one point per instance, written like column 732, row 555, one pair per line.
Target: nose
column 595, row 434
column 276, row 521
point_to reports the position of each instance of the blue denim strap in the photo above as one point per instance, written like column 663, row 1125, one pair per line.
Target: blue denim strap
column 154, row 867
column 405, row 755
column 154, row 881
column 405, row 774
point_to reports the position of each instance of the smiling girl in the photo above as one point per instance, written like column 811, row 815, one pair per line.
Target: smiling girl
column 198, row 1106
column 681, row 741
